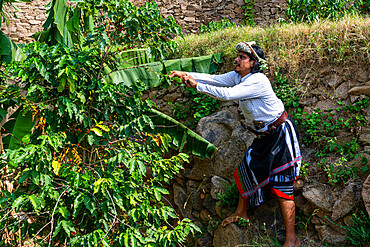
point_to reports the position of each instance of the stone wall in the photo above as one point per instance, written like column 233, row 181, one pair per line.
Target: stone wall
column 29, row 21
column 189, row 14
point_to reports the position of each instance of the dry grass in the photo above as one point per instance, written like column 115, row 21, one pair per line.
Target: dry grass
column 290, row 46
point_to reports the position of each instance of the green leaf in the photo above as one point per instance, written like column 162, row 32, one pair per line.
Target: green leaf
column 35, row 202
column 23, row 126
column 26, row 175
column 132, row 165
column 181, row 135
column 5, row 47
column 142, row 167
column 76, row 205
column 158, row 191
column 60, row 15
column 64, row 212
column 62, row 84
column 97, row 131
column 68, row 227
column 365, row 169
column 20, row 200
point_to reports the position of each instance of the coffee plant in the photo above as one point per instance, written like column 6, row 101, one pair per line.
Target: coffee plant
column 82, row 161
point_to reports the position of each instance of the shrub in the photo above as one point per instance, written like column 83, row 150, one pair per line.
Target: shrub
column 214, row 26
column 311, row 10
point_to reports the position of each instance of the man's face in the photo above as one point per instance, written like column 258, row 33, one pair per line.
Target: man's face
column 243, row 64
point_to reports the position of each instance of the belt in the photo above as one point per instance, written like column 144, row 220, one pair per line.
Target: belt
column 271, row 126
column 277, row 123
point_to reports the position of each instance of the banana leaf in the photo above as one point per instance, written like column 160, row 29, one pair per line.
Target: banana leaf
column 148, row 73
column 16, row 127
column 8, row 48
column 184, row 139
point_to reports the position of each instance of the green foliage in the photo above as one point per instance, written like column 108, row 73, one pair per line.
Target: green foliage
column 93, row 169
column 249, row 12
column 113, row 22
column 321, row 128
column 340, row 170
column 304, row 170
column 312, row 10
column 358, row 233
column 229, row 196
column 84, row 167
column 197, row 107
column 285, row 90
column 214, row 26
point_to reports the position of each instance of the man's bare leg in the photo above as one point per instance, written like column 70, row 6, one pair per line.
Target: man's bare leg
column 241, row 212
column 288, row 212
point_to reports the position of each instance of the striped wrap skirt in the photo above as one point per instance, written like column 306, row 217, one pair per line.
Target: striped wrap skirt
column 270, row 165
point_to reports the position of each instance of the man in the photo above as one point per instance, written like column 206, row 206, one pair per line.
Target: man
column 271, row 164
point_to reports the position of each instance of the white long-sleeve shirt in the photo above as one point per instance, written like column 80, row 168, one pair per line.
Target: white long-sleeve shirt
column 257, row 100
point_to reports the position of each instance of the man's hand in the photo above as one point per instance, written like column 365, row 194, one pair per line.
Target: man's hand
column 187, row 80
column 179, row 74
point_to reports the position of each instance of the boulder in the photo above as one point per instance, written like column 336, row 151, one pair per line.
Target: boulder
column 360, row 90
column 366, row 194
column 217, row 128
column 229, row 155
column 181, row 200
column 202, row 169
column 342, row 91
column 345, row 203
column 224, row 130
column 365, row 138
column 335, row 81
column 329, row 236
column 230, row 235
column 326, row 104
column 204, row 241
column 217, row 185
column 320, row 195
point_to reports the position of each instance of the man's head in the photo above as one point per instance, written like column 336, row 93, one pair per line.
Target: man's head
column 249, row 58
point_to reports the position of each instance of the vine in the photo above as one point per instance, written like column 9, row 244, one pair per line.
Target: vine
column 249, row 12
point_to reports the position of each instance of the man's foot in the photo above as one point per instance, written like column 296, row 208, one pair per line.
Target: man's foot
column 235, row 218
column 292, row 243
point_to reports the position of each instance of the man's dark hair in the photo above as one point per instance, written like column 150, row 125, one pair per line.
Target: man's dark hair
column 257, row 66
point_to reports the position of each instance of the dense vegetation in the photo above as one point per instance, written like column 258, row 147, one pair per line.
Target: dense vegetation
column 91, row 165
column 83, row 162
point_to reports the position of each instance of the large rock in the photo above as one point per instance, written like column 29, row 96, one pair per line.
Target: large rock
column 366, row 194
column 224, row 130
column 320, row 195
column 327, row 104
column 228, row 236
column 181, row 200
column 204, row 241
column 329, row 236
column 229, row 155
column 342, row 91
column 365, row 137
column 361, row 90
column 217, row 128
column 345, row 203
column 201, row 169
column 217, row 185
